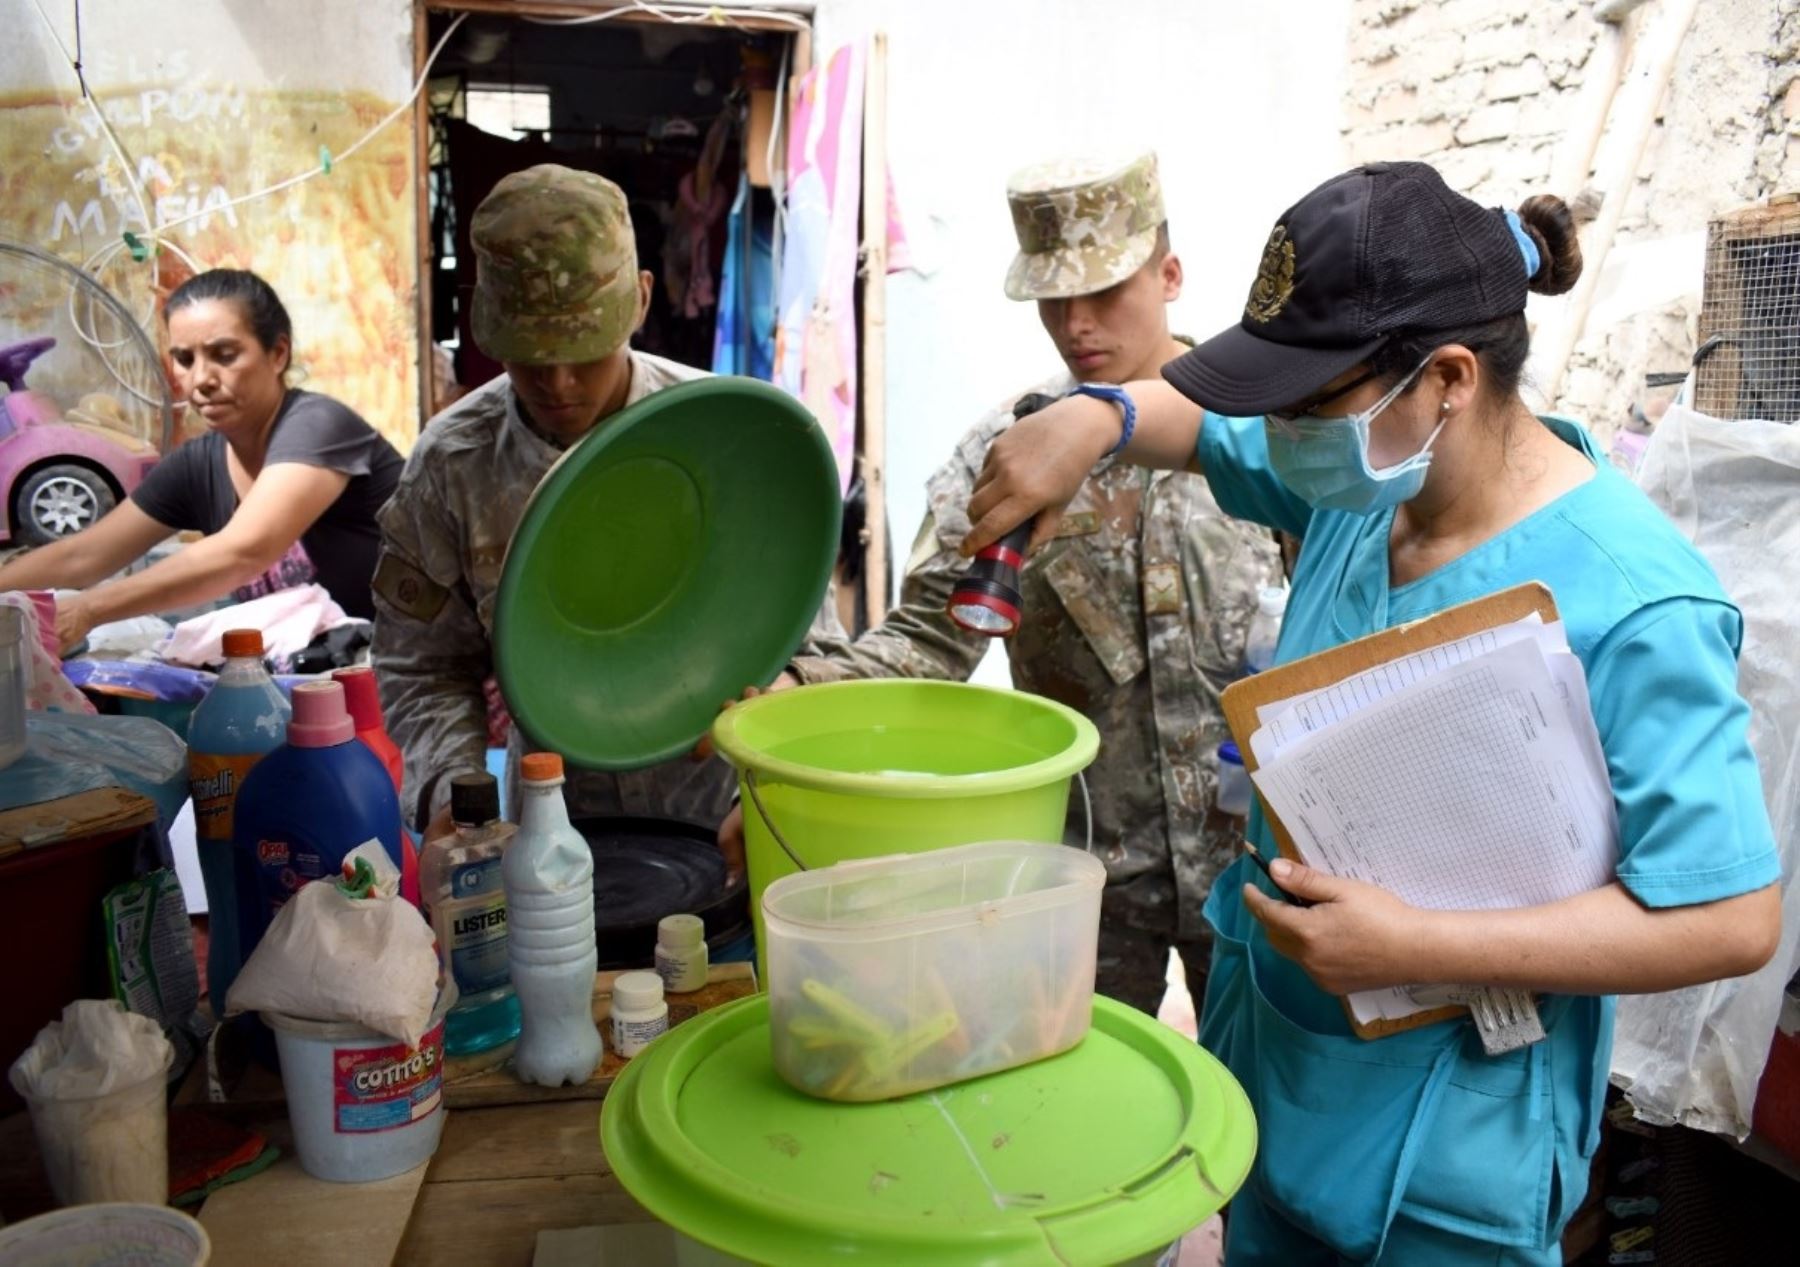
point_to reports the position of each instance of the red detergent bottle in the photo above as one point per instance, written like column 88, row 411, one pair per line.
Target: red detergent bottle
column 306, row 805
column 364, row 703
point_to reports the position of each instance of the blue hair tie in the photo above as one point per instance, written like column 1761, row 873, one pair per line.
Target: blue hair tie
column 1527, row 248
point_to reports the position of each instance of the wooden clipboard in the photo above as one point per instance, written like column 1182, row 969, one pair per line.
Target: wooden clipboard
column 1327, row 668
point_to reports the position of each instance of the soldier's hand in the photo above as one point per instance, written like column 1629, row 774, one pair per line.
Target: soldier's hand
column 731, row 842
column 1037, row 466
column 703, row 750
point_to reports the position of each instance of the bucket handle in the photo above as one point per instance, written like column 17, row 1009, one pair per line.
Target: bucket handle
column 1087, row 805
column 763, row 813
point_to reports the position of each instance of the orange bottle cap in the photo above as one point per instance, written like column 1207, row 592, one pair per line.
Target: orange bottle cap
column 243, row 642
column 538, row 767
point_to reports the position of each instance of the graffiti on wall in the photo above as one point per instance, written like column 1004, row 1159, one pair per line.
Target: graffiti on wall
column 339, row 248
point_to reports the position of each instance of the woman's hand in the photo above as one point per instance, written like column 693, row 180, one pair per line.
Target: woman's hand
column 75, row 619
column 1355, row 936
column 1036, row 467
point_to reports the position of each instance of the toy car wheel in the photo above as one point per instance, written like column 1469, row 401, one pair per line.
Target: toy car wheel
column 60, row 501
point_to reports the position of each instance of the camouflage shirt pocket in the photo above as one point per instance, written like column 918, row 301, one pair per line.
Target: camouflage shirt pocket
column 1094, row 608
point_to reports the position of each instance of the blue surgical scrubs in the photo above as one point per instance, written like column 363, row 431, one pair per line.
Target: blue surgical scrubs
column 1418, row 1147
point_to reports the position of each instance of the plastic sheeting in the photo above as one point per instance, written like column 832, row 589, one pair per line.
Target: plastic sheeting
column 1695, row 1056
column 66, row 754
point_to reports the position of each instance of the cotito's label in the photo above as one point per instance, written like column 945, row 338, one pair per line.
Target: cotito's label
column 472, row 925
column 385, row 1088
column 214, row 782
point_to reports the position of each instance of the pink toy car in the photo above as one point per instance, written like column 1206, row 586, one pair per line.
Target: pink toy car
column 60, row 470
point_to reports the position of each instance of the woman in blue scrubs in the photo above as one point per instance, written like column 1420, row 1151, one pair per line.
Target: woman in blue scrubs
column 1368, row 401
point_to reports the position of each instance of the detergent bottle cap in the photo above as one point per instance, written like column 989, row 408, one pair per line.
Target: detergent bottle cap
column 320, row 718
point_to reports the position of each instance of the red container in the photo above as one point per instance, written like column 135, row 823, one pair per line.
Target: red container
column 364, row 703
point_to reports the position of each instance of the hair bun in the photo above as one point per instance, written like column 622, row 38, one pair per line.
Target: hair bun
column 1551, row 225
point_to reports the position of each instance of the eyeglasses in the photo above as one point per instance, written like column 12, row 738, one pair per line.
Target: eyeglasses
column 1287, row 417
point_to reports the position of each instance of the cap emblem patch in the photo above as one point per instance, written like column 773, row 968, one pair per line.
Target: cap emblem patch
column 1274, row 278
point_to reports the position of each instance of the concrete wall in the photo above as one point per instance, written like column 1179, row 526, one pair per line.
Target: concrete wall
column 1488, row 90
column 1241, row 101
column 213, row 100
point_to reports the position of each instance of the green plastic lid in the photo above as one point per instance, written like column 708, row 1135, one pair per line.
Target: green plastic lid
column 675, row 556
column 1106, row 1153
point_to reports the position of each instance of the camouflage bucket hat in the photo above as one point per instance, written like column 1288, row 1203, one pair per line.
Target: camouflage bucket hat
column 555, row 268
column 1083, row 225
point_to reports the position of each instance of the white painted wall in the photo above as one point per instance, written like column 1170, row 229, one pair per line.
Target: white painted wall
column 1242, row 102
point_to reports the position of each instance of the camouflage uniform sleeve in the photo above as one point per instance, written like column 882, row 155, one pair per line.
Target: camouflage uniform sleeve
column 827, row 637
column 430, row 652
column 918, row 638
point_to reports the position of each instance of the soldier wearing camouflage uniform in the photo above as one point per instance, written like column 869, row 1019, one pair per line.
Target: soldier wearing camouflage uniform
column 1136, row 614
column 558, row 294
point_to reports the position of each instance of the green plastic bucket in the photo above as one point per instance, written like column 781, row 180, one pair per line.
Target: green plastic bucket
column 1106, row 1154
column 853, row 770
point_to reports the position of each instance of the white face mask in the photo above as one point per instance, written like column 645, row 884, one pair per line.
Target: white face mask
column 1326, row 460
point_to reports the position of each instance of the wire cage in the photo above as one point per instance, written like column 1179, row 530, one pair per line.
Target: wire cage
column 1748, row 363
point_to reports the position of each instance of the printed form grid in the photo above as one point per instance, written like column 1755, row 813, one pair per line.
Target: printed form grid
column 1487, row 765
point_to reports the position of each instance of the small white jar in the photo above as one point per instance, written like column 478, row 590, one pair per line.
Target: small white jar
column 639, row 1015
column 1234, row 783
column 681, row 953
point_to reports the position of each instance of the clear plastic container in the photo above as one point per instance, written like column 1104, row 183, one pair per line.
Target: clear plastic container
column 107, row 1147
column 896, row 975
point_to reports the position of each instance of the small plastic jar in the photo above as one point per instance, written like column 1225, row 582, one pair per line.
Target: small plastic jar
column 681, row 953
column 639, row 1015
column 1234, row 782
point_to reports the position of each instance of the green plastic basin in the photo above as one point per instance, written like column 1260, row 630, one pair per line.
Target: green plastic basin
column 1106, row 1154
column 673, row 557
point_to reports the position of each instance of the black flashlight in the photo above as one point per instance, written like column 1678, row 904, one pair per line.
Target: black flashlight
column 986, row 601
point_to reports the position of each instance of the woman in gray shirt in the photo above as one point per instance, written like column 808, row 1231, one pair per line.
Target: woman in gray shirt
column 284, row 484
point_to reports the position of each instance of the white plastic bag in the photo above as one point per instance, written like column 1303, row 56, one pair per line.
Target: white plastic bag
column 96, row 1085
column 331, row 957
column 1695, row 1056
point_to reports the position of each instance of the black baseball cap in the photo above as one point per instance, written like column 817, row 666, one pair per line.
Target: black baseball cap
column 1385, row 248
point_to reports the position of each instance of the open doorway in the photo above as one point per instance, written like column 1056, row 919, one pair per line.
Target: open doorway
column 679, row 115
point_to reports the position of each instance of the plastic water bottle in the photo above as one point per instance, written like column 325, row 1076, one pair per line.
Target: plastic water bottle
column 242, row 719
column 1265, row 628
column 306, row 805
column 364, row 703
column 465, row 903
column 549, row 874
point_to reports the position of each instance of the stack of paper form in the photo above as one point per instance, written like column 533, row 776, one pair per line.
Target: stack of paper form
column 1467, row 776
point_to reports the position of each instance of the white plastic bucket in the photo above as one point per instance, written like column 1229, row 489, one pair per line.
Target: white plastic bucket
column 88, row 1235
column 363, row 1106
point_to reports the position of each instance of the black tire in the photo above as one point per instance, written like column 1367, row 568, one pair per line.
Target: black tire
column 59, row 501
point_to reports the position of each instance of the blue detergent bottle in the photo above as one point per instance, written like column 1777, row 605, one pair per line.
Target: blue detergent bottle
column 243, row 718
column 306, row 805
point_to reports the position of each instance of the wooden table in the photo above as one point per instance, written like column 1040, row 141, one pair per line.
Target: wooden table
column 514, row 1160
